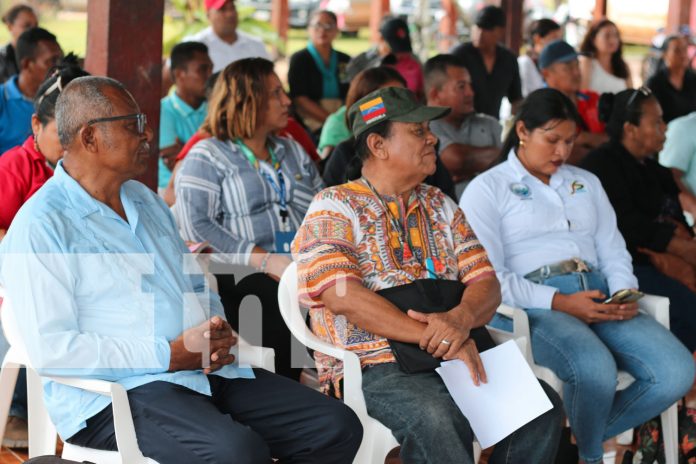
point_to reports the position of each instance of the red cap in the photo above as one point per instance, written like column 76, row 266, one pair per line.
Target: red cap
column 214, row 4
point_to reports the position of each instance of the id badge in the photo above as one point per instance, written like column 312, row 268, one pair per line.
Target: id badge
column 283, row 239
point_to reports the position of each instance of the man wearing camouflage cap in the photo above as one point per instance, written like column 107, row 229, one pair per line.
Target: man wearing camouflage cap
column 384, row 231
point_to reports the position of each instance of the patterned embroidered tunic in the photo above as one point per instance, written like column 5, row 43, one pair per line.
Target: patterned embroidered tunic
column 347, row 234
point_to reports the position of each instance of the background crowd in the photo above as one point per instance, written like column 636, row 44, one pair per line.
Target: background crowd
column 585, row 167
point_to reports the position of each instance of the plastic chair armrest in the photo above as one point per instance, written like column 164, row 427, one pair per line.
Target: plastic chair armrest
column 123, row 420
column 657, row 307
column 257, row 356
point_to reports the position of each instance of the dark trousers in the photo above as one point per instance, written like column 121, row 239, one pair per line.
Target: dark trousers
column 245, row 421
column 275, row 333
column 682, row 302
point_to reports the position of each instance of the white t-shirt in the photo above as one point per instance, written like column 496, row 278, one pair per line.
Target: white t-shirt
column 603, row 82
column 529, row 75
column 223, row 53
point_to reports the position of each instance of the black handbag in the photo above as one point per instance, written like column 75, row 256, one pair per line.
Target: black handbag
column 428, row 296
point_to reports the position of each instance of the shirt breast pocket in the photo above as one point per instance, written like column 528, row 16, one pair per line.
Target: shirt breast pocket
column 582, row 214
column 521, row 220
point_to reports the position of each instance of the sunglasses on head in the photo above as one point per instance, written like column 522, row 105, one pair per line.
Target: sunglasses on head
column 140, row 118
column 646, row 92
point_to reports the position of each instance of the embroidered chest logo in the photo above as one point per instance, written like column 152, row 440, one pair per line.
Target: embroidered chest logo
column 577, row 187
column 521, row 190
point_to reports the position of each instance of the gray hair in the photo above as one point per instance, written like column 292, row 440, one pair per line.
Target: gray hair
column 82, row 100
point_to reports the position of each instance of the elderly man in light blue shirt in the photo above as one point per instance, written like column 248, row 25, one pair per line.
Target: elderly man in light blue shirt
column 94, row 267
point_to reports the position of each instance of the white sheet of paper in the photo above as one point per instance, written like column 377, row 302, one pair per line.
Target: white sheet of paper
column 511, row 398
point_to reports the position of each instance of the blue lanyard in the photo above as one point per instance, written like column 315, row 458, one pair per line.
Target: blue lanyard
column 278, row 188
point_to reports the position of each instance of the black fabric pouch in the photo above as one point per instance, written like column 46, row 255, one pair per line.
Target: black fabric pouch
column 428, row 296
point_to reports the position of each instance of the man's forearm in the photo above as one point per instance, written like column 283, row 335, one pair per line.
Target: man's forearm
column 377, row 315
column 371, row 312
column 169, row 153
column 480, row 300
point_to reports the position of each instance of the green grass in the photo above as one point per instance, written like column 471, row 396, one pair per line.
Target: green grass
column 71, row 33
column 297, row 40
column 72, row 36
column 635, row 50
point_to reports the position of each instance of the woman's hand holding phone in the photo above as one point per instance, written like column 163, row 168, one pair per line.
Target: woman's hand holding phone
column 627, row 295
column 584, row 306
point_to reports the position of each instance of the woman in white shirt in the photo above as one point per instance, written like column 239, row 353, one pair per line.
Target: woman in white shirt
column 551, row 234
column 541, row 32
column 602, row 66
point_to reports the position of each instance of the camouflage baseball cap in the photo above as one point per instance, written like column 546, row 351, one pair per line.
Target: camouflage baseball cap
column 390, row 104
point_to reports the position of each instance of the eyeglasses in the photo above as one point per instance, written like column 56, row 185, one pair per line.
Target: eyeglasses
column 646, row 92
column 323, row 26
column 140, row 118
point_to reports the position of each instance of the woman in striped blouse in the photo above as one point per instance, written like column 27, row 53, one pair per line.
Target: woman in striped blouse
column 246, row 191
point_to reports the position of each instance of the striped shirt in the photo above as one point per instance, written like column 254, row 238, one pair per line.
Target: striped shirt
column 223, row 199
column 347, row 235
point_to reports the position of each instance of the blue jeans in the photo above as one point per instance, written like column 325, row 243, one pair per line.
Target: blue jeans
column 432, row 430
column 587, row 357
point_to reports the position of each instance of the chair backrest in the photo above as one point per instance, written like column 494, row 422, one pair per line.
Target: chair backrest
column 288, row 301
column 289, row 304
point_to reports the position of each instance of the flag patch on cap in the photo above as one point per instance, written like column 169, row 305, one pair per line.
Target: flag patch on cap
column 373, row 110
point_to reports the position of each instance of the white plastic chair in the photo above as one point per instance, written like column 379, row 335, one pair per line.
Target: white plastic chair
column 378, row 440
column 42, row 433
column 655, row 306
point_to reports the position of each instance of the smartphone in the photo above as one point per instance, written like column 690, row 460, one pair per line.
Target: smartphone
column 627, row 295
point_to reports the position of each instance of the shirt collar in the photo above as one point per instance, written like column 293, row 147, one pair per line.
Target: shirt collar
column 12, row 91
column 517, row 168
column 240, row 38
column 183, row 108
column 85, row 204
column 28, row 146
column 278, row 147
column 521, row 172
column 274, row 142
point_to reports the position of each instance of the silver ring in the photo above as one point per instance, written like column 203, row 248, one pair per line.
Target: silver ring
column 445, row 341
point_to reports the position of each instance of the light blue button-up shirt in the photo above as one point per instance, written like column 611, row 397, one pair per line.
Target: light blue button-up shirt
column 98, row 297
column 525, row 224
